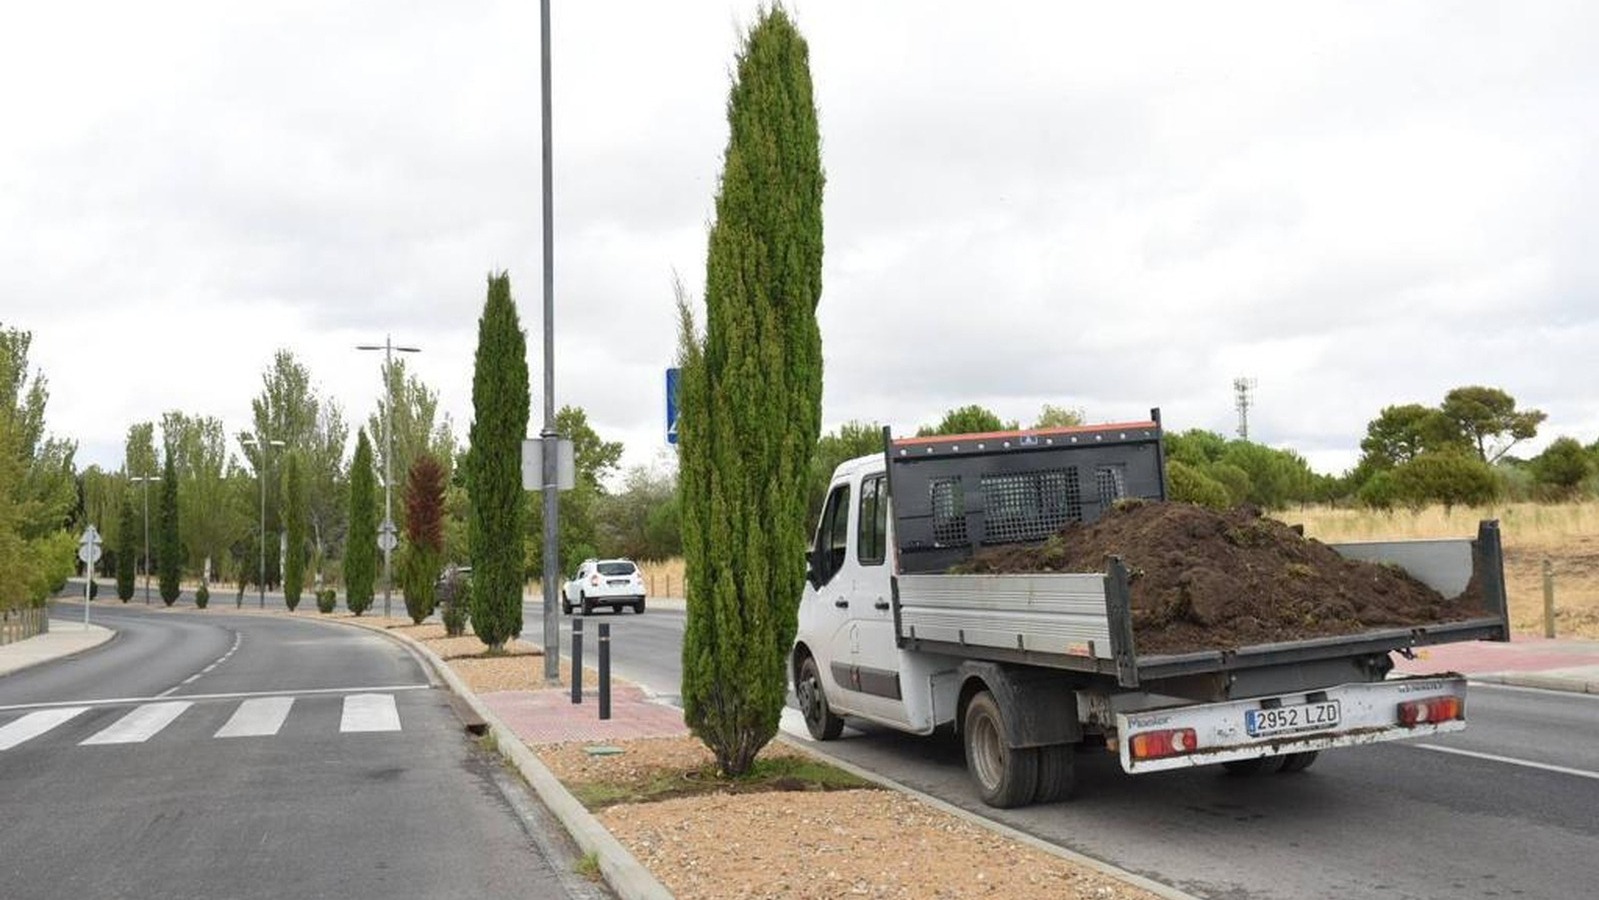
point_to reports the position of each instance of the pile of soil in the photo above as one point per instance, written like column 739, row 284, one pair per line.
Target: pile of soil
column 1209, row 580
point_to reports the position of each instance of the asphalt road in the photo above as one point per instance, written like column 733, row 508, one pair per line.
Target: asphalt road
column 356, row 782
column 1517, row 818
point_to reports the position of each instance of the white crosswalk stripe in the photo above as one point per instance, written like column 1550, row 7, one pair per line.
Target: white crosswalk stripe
column 140, row 725
column 257, row 717
column 36, row 723
column 369, row 712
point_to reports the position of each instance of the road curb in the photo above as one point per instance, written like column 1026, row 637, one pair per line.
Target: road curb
column 1540, row 681
column 109, row 635
column 622, row 871
column 999, row 828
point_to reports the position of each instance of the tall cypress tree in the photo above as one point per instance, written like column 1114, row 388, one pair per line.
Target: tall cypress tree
column 500, row 399
column 294, row 528
column 361, row 544
column 750, row 401
column 169, row 555
column 127, row 549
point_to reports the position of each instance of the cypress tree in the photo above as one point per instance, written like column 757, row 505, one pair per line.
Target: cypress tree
column 294, row 527
column 500, row 399
column 424, row 535
column 750, row 401
column 169, row 553
column 127, row 549
column 361, row 545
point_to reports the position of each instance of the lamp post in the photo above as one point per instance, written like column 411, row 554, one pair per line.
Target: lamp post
column 260, row 582
column 146, row 479
column 386, row 539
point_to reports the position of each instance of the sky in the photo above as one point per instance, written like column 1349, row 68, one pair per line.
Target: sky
column 1109, row 207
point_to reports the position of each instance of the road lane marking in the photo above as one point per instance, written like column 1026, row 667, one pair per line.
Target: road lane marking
column 34, row 724
column 1547, row 767
column 257, row 717
column 139, row 725
column 237, row 695
column 369, row 712
column 238, row 638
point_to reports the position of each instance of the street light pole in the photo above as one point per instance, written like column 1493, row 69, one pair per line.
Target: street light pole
column 262, row 446
column 386, row 539
column 146, row 479
column 549, row 436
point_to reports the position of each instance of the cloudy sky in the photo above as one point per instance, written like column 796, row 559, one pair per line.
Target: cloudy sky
column 1094, row 205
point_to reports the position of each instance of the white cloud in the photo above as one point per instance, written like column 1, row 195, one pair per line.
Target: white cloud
column 1105, row 206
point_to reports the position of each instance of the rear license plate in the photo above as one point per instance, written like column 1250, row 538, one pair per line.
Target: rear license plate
column 617, row 582
column 1306, row 717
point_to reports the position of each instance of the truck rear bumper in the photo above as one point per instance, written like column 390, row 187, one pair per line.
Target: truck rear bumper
column 1342, row 716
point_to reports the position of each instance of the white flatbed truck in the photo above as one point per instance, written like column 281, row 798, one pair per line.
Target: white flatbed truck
column 1029, row 669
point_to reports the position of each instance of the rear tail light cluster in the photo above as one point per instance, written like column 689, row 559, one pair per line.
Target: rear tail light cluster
column 1428, row 712
column 1160, row 744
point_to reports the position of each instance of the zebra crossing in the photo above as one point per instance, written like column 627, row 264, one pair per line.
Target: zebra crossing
column 253, row 717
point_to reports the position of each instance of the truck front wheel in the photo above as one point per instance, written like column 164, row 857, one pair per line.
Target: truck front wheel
column 819, row 718
column 1006, row 776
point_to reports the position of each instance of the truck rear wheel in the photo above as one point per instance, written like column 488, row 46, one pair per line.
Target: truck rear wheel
column 1260, row 765
column 1057, row 773
column 819, row 718
column 1006, row 776
column 1299, row 762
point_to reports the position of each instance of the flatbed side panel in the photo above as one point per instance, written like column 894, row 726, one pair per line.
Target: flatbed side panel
column 1042, row 614
column 1443, row 565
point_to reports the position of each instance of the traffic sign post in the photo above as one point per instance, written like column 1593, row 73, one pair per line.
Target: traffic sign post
column 387, row 542
column 89, row 552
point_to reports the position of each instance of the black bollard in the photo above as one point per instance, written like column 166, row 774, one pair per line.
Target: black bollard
column 577, row 659
column 605, row 670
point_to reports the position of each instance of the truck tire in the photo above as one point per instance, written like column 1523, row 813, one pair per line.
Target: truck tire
column 819, row 718
column 1299, row 762
column 1006, row 776
column 1260, row 765
column 1057, row 773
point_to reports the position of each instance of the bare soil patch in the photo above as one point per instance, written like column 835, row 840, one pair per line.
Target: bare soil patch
column 1207, row 580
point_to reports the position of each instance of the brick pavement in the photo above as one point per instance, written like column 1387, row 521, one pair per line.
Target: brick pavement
column 550, row 716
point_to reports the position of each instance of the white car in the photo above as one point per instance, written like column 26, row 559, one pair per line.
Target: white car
column 604, row 582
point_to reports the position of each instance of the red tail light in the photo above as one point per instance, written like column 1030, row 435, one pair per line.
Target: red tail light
column 1427, row 712
column 1158, row 744
column 594, row 580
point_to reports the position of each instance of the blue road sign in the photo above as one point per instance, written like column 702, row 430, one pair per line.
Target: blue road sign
column 671, row 405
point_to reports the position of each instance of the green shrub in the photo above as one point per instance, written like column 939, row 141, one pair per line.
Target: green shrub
column 94, row 588
column 202, row 597
column 1188, row 485
column 456, row 614
column 326, row 600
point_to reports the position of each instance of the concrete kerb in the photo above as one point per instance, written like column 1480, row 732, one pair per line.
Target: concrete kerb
column 1543, row 681
column 622, row 871
column 999, row 828
column 98, row 637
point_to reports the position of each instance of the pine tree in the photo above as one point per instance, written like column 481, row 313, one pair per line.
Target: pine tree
column 169, row 555
column 294, row 528
column 360, row 549
column 500, row 400
column 127, row 549
column 750, row 402
column 424, row 535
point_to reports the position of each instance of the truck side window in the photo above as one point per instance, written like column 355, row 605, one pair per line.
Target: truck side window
column 832, row 538
column 873, row 530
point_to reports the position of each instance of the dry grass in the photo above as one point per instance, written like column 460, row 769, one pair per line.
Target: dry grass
column 1566, row 535
column 663, row 578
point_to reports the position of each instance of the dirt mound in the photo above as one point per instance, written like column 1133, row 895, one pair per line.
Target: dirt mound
column 1208, row 580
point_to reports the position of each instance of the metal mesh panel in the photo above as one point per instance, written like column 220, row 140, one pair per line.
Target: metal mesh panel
column 1029, row 505
column 1111, row 482
column 949, row 511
